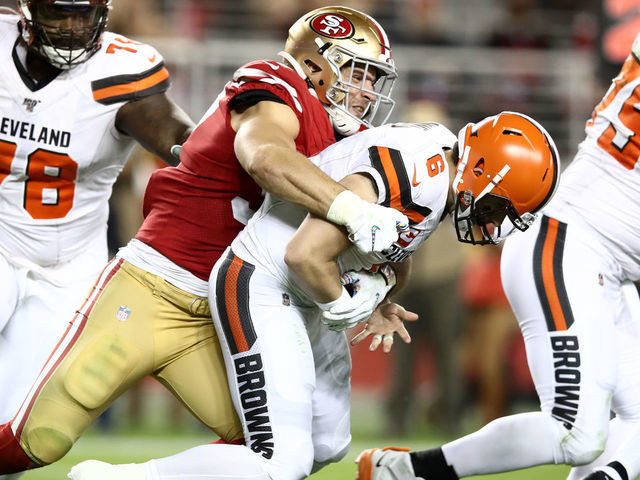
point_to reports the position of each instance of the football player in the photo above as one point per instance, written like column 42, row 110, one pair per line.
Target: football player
column 280, row 308
column 569, row 281
column 74, row 99
column 148, row 313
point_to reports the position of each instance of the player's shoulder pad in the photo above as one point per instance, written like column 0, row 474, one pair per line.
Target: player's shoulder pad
column 273, row 76
column 262, row 68
column 421, row 135
column 401, row 157
column 124, row 70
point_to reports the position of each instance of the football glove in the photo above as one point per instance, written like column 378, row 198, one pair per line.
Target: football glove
column 372, row 228
column 362, row 293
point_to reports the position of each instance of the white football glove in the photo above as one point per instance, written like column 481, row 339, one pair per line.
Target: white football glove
column 372, row 228
column 368, row 290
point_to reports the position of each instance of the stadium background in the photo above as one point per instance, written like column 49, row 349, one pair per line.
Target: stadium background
column 459, row 60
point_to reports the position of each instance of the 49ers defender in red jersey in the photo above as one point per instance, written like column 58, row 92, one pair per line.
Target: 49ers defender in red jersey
column 148, row 313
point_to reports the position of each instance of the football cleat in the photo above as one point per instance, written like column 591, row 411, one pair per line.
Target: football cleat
column 389, row 463
column 96, row 470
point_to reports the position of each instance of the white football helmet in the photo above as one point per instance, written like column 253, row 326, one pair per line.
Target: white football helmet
column 327, row 39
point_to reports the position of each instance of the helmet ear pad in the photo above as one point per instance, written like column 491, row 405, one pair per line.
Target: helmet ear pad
column 321, row 78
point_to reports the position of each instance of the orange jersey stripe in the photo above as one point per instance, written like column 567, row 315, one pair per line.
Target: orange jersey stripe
column 132, row 87
column 392, row 177
column 231, row 304
column 548, row 277
column 414, row 216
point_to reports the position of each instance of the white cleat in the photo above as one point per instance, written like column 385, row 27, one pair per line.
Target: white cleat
column 389, row 463
column 96, row 470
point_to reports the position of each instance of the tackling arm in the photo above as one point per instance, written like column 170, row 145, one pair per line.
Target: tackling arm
column 265, row 146
column 157, row 123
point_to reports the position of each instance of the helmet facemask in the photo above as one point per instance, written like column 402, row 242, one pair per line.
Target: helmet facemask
column 46, row 30
column 352, row 77
column 482, row 222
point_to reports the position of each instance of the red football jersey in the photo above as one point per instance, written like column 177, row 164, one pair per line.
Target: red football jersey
column 188, row 210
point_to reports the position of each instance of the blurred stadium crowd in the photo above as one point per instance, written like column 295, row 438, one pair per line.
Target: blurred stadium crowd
column 457, row 59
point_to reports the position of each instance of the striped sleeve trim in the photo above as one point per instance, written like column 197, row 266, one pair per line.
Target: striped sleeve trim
column 549, row 276
column 129, row 87
column 389, row 164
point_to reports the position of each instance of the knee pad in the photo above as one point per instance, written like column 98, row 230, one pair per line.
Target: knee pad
column 292, row 468
column 323, row 459
column 74, row 397
column 580, row 447
column 100, row 369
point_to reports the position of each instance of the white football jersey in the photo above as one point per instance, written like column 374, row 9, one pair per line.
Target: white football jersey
column 601, row 187
column 60, row 152
column 407, row 163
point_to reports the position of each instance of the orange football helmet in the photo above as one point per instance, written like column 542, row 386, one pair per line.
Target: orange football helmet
column 508, row 166
column 327, row 39
column 44, row 28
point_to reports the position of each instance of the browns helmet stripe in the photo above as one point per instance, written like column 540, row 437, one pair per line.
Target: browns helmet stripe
column 232, row 302
column 548, row 274
column 130, row 87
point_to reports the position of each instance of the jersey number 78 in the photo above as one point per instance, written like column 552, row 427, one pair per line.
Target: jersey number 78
column 50, row 182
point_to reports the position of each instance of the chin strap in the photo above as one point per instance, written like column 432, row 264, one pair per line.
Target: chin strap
column 341, row 122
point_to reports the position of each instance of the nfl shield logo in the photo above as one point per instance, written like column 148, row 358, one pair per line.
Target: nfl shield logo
column 123, row 313
column 286, row 301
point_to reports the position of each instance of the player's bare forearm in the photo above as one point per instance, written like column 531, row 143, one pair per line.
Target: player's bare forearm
column 156, row 123
column 311, row 254
column 265, row 147
column 292, row 177
column 403, row 273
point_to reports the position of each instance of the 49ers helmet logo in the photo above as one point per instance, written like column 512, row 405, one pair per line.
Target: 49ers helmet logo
column 333, row 26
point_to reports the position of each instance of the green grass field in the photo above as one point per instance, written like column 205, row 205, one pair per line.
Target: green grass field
column 121, row 448
column 161, row 432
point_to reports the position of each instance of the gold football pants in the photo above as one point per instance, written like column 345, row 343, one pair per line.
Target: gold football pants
column 133, row 324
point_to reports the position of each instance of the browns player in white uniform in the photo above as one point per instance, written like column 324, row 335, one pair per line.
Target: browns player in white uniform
column 148, row 313
column 569, row 281
column 280, row 307
column 73, row 101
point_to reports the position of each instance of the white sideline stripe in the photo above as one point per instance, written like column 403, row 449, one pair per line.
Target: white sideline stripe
column 62, row 346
